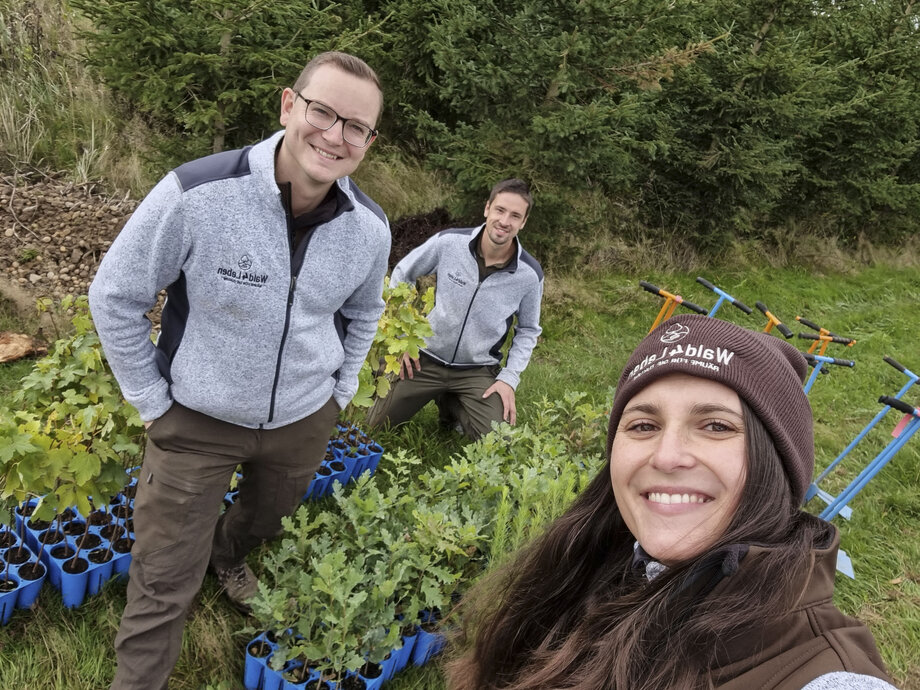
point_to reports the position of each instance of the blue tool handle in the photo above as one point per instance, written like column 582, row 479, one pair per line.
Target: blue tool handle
column 705, row 283
column 828, row 360
column 899, row 405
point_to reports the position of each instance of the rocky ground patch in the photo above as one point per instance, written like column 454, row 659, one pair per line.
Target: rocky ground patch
column 53, row 233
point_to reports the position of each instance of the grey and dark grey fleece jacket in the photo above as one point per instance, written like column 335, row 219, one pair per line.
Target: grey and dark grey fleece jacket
column 470, row 319
column 245, row 337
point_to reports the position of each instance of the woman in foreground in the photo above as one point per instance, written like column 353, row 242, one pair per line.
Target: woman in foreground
column 687, row 562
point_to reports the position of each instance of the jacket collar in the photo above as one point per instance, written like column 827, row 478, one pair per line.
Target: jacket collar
column 262, row 164
column 817, row 582
column 512, row 264
column 706, row 575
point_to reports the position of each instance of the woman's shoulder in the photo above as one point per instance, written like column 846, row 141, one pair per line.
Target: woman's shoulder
column 843, row 680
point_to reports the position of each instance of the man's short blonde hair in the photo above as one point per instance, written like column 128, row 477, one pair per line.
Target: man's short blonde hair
column 345, row 62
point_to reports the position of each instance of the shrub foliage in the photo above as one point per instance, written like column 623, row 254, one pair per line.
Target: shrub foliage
column 349, row 574
column 702, row 120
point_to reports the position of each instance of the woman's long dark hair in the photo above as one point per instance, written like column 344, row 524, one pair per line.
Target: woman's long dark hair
column 571, row 612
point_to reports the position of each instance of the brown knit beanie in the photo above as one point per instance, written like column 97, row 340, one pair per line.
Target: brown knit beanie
column 766, row 372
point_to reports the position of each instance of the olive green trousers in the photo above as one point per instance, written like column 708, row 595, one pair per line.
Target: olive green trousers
column 456, row 391
column 189, row 461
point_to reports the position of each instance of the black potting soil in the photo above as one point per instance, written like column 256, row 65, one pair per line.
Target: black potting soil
column 16, row 555
column 62, row 551
column 32, row 571
column 259, row 649
column 353, row 683
column 74, row 528
column 73, row 566
column 123, row 545
column 122, row 511
column 111, row 532
column 99, row 555
column 89, row 541
column 51, row 537
column 99, row 517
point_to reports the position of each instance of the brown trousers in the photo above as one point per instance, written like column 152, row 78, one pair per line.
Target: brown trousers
column 189, row 461
column 457, row 393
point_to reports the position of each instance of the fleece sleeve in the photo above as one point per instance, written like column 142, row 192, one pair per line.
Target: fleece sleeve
column 146, row 257
column 421, row 261
column 361, row 313
column 842, row 680
column 526, row 333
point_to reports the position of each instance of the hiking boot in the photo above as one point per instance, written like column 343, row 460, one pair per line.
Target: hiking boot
column 239, row 584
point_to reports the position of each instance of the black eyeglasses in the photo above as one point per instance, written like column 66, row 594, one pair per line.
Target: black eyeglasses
column 323, row 117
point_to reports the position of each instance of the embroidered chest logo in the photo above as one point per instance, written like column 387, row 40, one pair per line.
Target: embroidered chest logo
column 242, row 275
column 456, row 278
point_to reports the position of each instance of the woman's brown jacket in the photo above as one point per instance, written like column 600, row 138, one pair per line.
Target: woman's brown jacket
column 813, row 639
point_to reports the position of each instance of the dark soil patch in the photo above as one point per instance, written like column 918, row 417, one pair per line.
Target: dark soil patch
column 17, row 555
column 111, row 532
column 99, row 517
column 32, row 571
column 100, row 556
column 74, row 528
column 411, row 231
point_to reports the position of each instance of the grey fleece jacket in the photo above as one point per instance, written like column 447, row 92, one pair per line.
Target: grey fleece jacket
column 841, row 680
column 470, row 319
column 245, row 338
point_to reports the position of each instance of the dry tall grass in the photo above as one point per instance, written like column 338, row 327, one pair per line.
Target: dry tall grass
column 53, row 115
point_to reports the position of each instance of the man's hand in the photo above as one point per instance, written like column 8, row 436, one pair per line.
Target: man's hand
column 405, row 366
column 506, row 393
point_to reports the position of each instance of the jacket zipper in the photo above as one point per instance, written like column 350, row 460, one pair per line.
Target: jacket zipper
column 465, row 319
column 287, row 316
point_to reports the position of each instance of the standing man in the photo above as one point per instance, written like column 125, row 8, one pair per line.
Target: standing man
column 273, row 262
column 484, row 280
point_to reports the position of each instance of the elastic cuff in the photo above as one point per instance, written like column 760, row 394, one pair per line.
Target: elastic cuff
column 510, row 377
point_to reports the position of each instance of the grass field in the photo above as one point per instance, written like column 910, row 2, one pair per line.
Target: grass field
column 591, row 323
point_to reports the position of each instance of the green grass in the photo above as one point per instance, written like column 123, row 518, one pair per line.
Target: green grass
column 12, row 372
column 591, row 324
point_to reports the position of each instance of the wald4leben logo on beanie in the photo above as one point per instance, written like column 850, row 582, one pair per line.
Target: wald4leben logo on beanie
column 766, row 372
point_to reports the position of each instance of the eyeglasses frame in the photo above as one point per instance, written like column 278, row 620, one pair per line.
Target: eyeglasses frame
column 344, row 120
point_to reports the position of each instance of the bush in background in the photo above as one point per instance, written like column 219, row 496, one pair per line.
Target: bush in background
column 700, row 122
